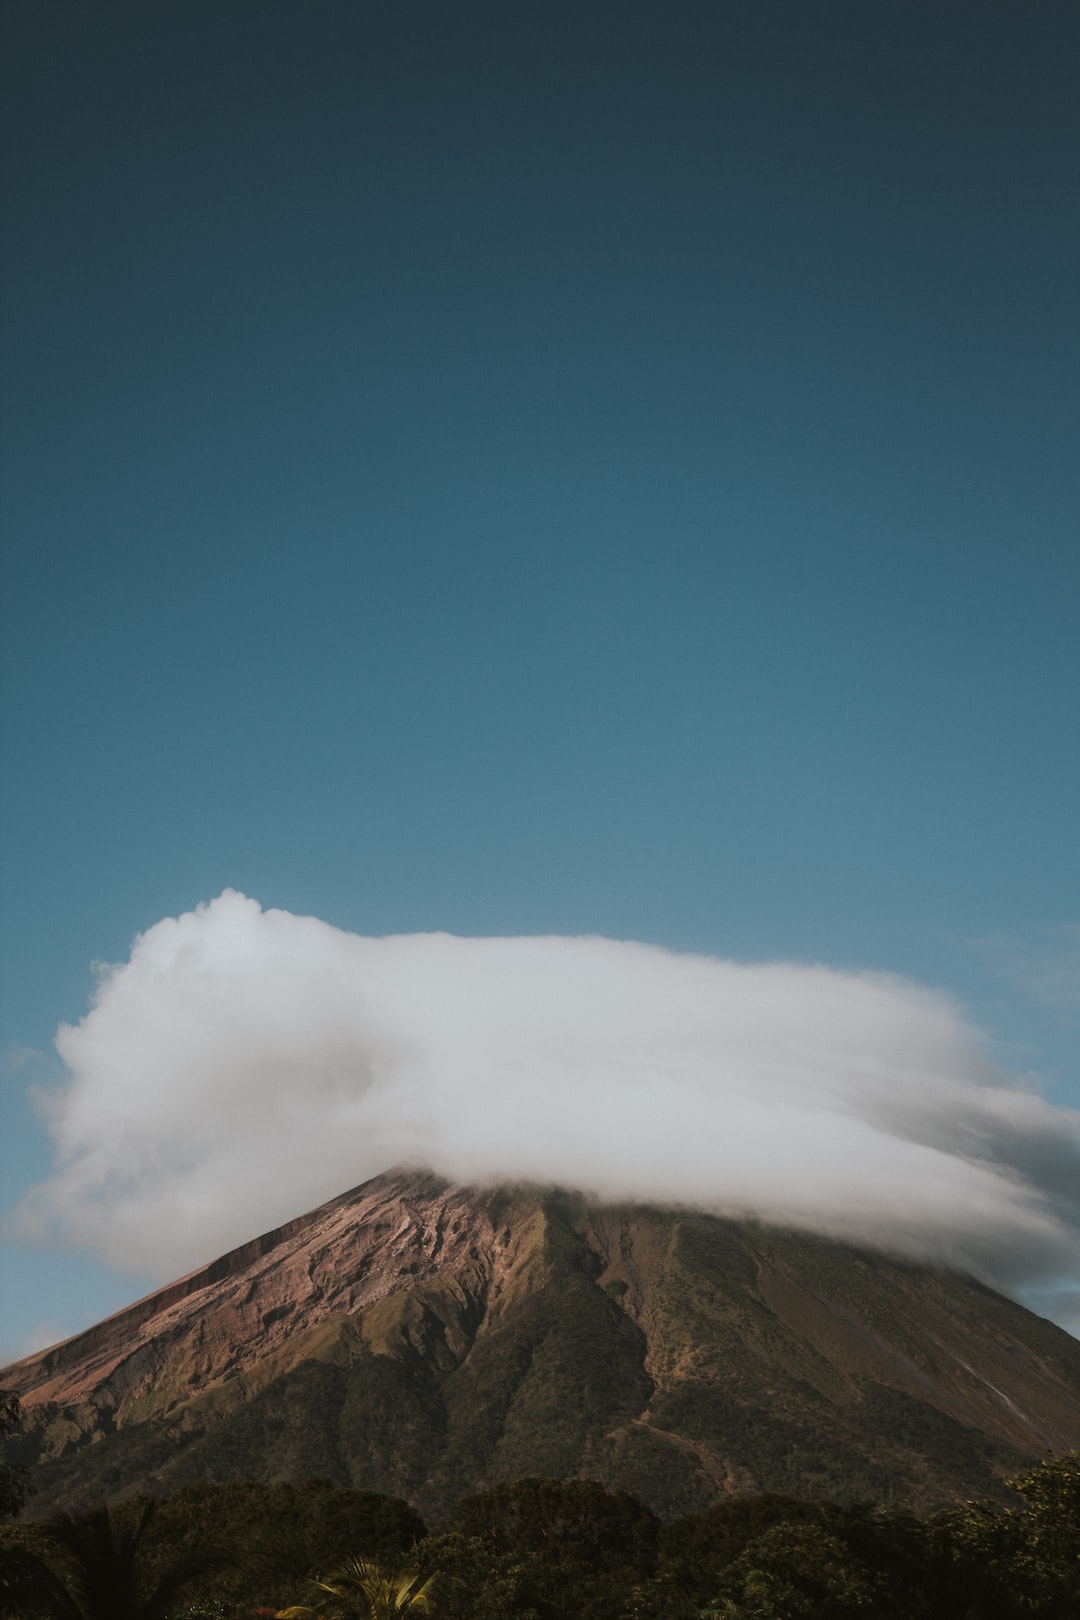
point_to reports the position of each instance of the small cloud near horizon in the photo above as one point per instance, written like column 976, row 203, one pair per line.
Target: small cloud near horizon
column 23, row 1059
column 244, row 1065
column 41, row 1336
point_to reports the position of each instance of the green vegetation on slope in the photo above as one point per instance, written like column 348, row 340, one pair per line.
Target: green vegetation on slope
column 673, row 1355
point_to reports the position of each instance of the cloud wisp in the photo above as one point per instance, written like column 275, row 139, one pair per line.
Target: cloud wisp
column 245, row 1065
column 1046, row 970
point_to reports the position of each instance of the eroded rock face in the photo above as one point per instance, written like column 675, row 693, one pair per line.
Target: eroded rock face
column 231, row 1315
column 424, row 1340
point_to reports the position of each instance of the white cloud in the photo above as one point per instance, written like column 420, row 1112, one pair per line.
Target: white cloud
column 245, row 1065
column 24, row 1060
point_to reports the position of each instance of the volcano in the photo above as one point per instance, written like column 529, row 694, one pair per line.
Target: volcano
column 425, row 1340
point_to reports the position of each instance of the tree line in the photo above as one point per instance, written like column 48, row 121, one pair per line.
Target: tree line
column 542, row 1549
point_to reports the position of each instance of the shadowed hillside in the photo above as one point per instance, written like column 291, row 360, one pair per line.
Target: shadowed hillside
column 425, row 1340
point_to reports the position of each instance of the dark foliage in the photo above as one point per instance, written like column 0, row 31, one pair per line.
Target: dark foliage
column 14, row 1487
column 280, row 1534
column 99, row 1566
column 546, row 1549
column 571, row 1545
column 568, row 1521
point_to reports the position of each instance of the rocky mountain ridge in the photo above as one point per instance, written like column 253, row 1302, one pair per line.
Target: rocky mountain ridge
column 423, row 1339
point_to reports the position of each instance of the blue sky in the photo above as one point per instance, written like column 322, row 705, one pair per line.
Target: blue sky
column 594, row 468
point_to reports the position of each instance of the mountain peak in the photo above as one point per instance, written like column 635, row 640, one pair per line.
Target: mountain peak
column 422, row 1338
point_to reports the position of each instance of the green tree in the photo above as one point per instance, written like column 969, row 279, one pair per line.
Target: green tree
column 991, row 1565
column 96, row 1566
column 700, row 1546
column 364, row 1591
column 478, row 1582
column 972, row 1553
column 20, row 1570
column 277, row 1534
column 1048, row 1558
column 594, row 1546
column 14, row 1488
column 798, row 1572
column 569, row 1521
column 774, row 1556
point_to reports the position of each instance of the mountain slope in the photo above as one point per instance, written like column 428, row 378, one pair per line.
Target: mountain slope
column 423, row 1339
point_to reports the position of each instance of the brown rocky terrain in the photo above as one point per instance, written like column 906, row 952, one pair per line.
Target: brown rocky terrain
column 424, row 1339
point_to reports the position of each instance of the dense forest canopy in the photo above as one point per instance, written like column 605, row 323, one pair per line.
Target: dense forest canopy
column 546, row 1549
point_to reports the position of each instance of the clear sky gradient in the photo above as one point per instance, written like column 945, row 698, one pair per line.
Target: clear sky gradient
column 512, row 469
